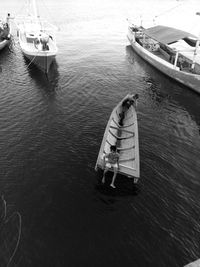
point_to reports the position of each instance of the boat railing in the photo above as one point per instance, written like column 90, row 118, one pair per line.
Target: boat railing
column 185, row 62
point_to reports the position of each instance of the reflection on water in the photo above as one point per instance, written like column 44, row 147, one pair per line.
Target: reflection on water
column 46, row 80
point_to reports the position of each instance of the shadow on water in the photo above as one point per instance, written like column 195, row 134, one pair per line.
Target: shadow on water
column 124, row 186
column 47, row 80
column 159, row 87
column 4, row 54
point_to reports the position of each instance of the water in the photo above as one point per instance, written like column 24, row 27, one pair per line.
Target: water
column 50, row 135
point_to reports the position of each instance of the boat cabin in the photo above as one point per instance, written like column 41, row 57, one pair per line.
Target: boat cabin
column 40, row 40
column 30, row 37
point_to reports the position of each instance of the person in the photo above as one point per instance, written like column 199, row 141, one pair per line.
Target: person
column 36, row 42
column 126, row 105
column 44, row 41
column 133, row 100
column 111, row 160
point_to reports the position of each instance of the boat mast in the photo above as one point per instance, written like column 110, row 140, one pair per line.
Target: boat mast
column 35, row 9
column 31, row 8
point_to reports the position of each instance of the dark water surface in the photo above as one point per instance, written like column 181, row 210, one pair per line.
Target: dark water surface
column 50, row 135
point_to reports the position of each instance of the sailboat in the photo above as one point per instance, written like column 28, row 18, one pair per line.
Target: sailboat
column 5, row 32
column 36, row 38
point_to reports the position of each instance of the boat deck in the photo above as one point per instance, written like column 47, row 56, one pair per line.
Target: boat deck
column 125, row 137
column 29, row 45
column 188, row 57
column 159, row 54
column 33, row 48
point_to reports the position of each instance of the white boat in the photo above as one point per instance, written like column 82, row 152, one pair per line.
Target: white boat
column 193, row 264
column 36, row 38
column 172, row 51
column 5, row 32
column 125, row 137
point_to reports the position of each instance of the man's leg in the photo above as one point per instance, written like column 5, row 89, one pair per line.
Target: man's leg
column 114, row 177
column 104, row 173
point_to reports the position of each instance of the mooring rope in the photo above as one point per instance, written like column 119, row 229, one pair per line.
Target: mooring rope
column 5, row 220
column 19, row 234
column 32, row 59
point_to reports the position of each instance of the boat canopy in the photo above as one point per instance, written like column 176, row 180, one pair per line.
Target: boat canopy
column 167, row 35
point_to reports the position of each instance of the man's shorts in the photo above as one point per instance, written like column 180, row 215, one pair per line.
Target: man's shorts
column 110, row 165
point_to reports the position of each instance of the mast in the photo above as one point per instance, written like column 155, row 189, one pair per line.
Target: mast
column 31, row 8
column 34, row 9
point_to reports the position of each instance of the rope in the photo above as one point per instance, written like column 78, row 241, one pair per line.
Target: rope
column 19, row 235
column 32, row 60
column 5, row 221
column 168, row 10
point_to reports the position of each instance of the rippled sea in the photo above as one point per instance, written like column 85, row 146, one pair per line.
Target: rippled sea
column 50, row 135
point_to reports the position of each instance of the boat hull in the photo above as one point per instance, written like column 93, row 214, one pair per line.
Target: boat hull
column 125, row 138
column 43, row 62
column 188, row 79
column 4, row 43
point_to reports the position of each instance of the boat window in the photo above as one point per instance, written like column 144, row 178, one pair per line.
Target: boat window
column 30, row 39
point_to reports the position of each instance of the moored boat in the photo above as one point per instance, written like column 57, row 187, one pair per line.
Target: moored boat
column 37, row 38
column 124, row 135
column 172, row 51
column 5, row 32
